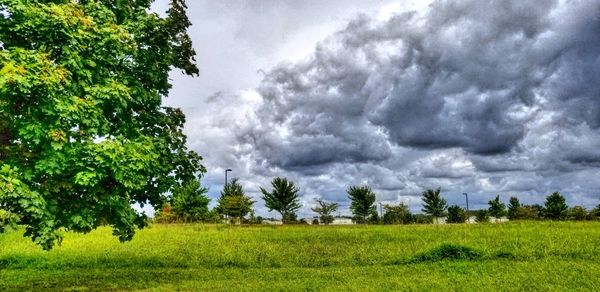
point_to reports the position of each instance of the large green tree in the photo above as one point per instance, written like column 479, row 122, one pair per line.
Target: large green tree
column 433, row 203
column 83, row 134
column 363, row 203
column 283, row 198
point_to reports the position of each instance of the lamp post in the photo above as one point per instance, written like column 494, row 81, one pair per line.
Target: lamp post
column 467, row 198
column 381, row 209
column 226, row 170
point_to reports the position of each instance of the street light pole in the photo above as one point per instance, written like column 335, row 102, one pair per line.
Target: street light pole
column 467, row 198
column 226, row 170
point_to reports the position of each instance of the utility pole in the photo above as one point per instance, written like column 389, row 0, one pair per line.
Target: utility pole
column 467, row 198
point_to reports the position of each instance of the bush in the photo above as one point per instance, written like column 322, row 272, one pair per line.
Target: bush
column 316, row 221
column 452, row 252
column 456, row 214
column 529, row 212
column 482, row 216
column 577, row 213
column 595, row 213
column 399, row 214
column 422, row 219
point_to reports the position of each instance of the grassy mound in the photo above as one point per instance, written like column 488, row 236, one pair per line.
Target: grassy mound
column 452, row 252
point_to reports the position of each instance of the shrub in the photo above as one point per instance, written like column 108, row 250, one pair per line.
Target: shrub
column 482, row 216
column 577, row 213
column 456, row 214
column 315, row 221
column 528, row 212
column 452, row 252
column 398, row 214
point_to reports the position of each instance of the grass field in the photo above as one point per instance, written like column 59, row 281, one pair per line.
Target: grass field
column 513, row 256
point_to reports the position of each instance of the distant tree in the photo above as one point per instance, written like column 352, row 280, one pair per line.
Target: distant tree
column 456, row 214
column 433, row 203
column 497, row 209
column 165, row 214
column 363, row 203
column 513, row 206
column 254, row 219
column 374, row 218
column 283, row 199
column 577, row 213
column 555, row 207
column 214, row 216
column 233, row 202
column 595, row 213
column 530, row 212
column 189, row 202
column 422, row 219
column 483, row 216
column 325, row 211
column 397, row 214
column 315, row 221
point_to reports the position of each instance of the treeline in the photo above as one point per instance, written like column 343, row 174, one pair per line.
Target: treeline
column 189, row 203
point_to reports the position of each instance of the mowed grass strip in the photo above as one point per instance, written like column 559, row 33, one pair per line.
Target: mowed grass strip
column 516, row 255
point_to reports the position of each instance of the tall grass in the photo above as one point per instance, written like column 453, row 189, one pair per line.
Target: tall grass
column 556, row 255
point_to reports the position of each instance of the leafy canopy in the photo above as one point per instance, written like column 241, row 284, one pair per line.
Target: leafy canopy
column 283, row 198
column 325, row 211
column 83, row 135
column 363, row 203
column 433, row 203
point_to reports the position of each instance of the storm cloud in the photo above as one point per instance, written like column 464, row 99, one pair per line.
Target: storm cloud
column 483, row 97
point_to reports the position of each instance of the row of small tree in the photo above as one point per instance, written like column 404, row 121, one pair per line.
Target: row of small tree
column 189, row 203
column 554, row 208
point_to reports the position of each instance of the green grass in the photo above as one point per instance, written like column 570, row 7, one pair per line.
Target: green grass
column 513, row 256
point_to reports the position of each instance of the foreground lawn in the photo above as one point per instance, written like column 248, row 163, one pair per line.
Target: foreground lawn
column 513, row 256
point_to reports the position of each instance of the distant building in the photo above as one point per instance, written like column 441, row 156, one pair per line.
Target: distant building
column 499, row 220
column 472, row 220
column 439, row 220
column 272, row 222
column 342, row 221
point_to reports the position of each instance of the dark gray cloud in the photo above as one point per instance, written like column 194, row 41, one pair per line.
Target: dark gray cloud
column 484, row 97
column 461, row 75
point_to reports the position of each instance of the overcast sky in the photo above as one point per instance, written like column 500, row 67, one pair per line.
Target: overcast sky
column 482, row 97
